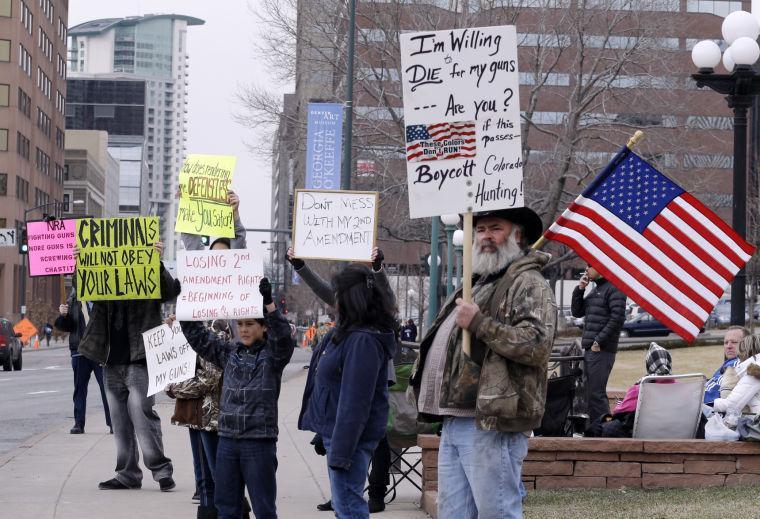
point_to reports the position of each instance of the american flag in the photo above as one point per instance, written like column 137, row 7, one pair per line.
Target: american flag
column 440, row 141
column 654, row 241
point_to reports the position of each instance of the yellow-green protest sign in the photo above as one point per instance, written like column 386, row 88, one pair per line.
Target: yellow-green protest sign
column 203, row 183
column 117, row 259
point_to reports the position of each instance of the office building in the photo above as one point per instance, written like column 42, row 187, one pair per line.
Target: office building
column 32, row 101
column 153, row 49
column 91, row 176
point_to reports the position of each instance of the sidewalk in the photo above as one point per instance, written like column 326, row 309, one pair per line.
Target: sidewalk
column 55, row 475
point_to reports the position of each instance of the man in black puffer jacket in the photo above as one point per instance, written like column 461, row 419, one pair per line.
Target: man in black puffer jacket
column 604, row 313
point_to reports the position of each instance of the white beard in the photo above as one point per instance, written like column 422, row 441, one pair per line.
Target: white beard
column 485, row 263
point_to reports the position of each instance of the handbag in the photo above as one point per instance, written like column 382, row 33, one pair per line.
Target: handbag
column 188, row 411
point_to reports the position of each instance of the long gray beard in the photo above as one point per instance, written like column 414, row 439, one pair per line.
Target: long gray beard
column 485, row 263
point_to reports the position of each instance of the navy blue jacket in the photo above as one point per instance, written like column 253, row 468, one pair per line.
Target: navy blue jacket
column 73, row 323
column 252, row 376
column 346, row 395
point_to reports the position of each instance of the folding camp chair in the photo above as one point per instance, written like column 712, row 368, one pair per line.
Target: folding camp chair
column 669, row 406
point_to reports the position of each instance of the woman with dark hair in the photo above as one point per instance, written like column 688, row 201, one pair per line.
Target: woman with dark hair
column 346, row 397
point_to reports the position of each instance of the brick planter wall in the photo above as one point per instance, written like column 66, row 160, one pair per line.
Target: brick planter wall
column 615, row 463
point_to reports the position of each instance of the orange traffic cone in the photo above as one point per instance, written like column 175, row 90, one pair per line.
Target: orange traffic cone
column 36, row 344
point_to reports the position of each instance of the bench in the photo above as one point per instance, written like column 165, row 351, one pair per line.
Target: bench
column 616, row 463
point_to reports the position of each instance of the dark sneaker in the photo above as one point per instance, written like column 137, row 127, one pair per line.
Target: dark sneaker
column 376, row 505
column 77, row 429
column 115, row 484
column 325, row 507
column 196, row 497
column 166, row 484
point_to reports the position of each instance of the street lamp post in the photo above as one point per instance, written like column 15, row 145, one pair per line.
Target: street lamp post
column 449, row 221
column 433, row 264
column 458, row 240
column 740, row 30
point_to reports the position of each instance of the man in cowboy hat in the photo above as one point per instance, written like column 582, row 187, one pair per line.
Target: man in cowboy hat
column 491, row 400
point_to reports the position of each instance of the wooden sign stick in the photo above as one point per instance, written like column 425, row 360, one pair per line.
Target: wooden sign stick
column 467, row 274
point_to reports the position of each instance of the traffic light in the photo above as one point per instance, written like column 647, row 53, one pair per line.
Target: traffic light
column 283, row 306
column 23, row 242
column 205, row 240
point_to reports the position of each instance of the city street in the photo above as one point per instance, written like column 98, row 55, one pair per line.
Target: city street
column 39, row 397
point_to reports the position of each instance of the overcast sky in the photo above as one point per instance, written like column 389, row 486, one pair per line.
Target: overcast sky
column 222, row 59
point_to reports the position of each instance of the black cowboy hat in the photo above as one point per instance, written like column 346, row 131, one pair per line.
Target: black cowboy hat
column 524, row 216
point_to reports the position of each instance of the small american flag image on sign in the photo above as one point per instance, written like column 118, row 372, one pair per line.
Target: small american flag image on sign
column 440, row 141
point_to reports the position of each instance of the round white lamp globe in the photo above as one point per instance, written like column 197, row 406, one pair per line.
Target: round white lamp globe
column 458, row 238
column 745, row 51
column 437, row 262
column 740, row 24
column 728, row 61
column 450, row 219
column 706, row 54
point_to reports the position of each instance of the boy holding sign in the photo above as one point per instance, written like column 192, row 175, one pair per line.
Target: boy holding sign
column 253, row 365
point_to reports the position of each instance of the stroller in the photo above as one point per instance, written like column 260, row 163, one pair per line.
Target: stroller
column 565, row 411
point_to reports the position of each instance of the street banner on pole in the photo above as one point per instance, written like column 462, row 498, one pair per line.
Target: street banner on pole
column 7, row 237
column 324, row 130
column 219, row 284
column 334, row 225
column 169, row 357
column 50, row 247
column 462, row 118
column 117, row 259
column 203, row 183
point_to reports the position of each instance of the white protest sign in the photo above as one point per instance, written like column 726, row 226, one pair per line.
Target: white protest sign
column 334, row 225
column 7, row 237
column 462, row 118
column 169, row 357
column 219, row 284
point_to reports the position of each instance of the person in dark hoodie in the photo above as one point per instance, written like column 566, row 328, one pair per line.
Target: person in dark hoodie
column 252, row 373
column 346, row 397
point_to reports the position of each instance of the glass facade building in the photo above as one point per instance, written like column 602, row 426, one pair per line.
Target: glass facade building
column 114, row 106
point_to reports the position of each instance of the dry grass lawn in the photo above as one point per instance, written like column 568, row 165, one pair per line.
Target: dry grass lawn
column 629, row 365
column 706, row 503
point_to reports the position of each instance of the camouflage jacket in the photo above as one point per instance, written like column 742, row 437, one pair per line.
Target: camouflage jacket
column 207, row 383
column 504, row 379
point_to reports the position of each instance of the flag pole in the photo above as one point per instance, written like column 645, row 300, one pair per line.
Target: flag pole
column 467, row 275
column 633, row 141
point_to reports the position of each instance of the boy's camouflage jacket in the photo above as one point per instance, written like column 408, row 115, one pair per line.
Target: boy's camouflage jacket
column 206, row 384
column 505, row 377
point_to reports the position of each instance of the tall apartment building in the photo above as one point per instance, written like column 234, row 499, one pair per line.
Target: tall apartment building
column 151, row 48
column 32, row 101
column 117, row 107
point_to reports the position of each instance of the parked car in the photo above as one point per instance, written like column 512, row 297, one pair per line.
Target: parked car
column 10, row 346
column 721, row 314
column 645, row 325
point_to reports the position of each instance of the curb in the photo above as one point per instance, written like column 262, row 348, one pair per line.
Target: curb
column 29, row 443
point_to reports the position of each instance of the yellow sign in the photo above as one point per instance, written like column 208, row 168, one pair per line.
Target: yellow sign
column 203, row 209
column 26, row 329
column 117, row 259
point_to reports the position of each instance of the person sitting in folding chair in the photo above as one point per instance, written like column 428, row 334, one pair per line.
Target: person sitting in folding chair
column 620, row 424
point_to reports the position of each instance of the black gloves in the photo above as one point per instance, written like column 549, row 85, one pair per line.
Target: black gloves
column 297, row 263
column 265, row 289
column 319, row 446
column 378, row 263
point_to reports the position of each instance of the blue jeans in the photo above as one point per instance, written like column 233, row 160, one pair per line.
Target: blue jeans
column 135, row 420
column 347, row 486
column 83, row 368
column 204, row 445
column 479, row 472
column 246, row 463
